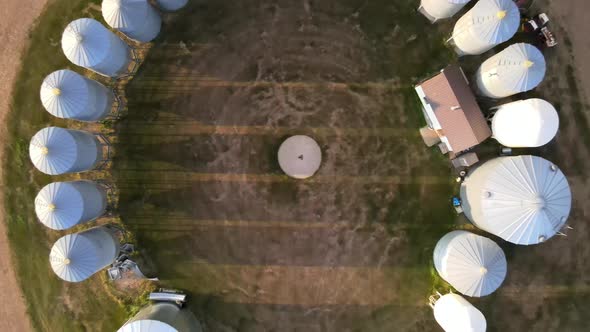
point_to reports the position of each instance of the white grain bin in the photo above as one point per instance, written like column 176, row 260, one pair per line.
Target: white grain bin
column 472, row 264
column 525, row 123
column 69, row 95
column 162, row 317
column 487, row 24
column 57, row 151
column 62, row 205
column 87, row 43
column 171, row 5
column 300, row 156
column 137, row 19
column 518, row 68
column 522, row 199
column 436, row 10
column 455, row 314
column 76, row 257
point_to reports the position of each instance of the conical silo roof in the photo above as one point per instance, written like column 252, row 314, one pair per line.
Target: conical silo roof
column 455, row 314
column 67, row 95
column 53, row 150
column 518, row 68
column 76, row 257
column 85, row 42
column 472, row 264
column 525, row 123
column 62, row 205
column 522, row 199
column 171, row 5
column 487, row 24
column 300, row 156
column 135, row 18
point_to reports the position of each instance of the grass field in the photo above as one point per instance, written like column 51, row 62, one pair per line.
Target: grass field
column 200, row 188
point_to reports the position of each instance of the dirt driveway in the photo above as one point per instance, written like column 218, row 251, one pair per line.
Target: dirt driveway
column 16, row 18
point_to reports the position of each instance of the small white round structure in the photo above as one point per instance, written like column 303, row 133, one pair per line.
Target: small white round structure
column 518, row 68
column 76, row 257
column 171, row 5
column 525, row 123
column 68, row 95
column 455, row 314
column 162, row 317
column 62, row 205
column 522, row 199
column 440, row 9
column 487, row 24
column 300, row 156
column 137, row 19
column 87, row 43
column 472, row 264
column 57, row 151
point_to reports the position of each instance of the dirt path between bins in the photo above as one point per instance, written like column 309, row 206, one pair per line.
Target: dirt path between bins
column 16, row 19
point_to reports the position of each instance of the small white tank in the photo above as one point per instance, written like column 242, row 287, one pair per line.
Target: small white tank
column 68, row 95
column 300, row 156
column 55, row 151
column 137, row 19
column 76, row 257
column 62, row 205
column 87, row 43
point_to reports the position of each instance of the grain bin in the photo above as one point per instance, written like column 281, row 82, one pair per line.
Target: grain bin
column 68, row 95
column 76, row 257
column 162, row 317
column 137, row 19
column 472, row 264
column 487, row 24
column 518, row 68
column 171, row 5
column 87, row 43
column 525, row 123
column 55, row 151
column 522, row 199
column 455, row 314
column 436, row 10
column 62, row 205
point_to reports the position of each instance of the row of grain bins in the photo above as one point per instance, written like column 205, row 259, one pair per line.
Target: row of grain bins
column 54, row 151
column 524, row 200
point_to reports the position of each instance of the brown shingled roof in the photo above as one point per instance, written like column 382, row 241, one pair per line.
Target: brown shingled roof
column 456, row 109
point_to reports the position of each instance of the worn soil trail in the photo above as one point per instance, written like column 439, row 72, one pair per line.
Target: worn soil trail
column 16, row 19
